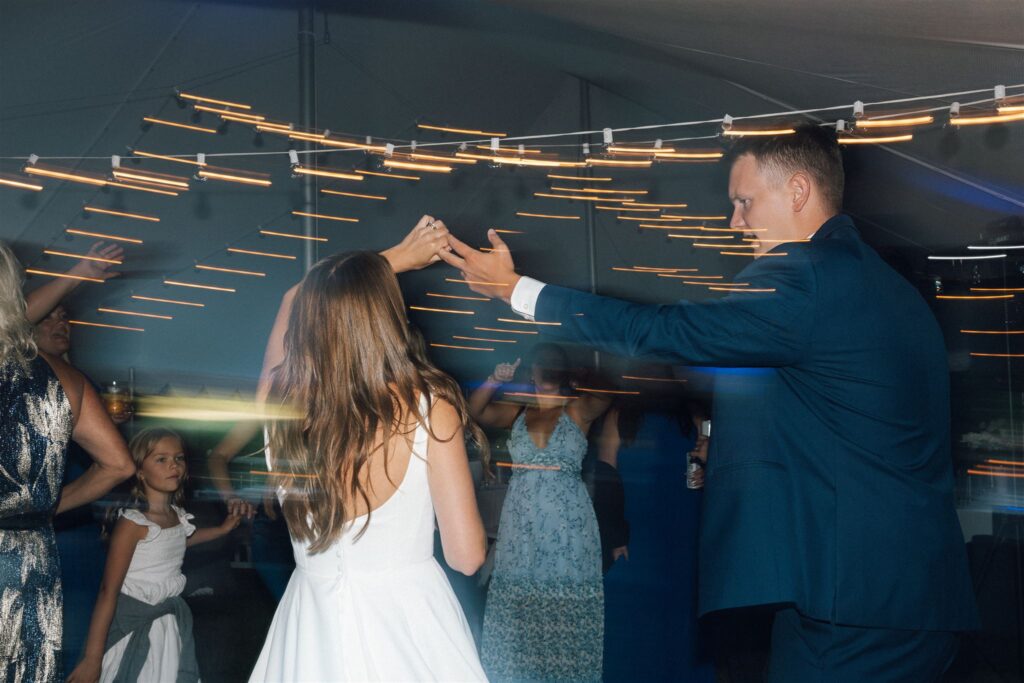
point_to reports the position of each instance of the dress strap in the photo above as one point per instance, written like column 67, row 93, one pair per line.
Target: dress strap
column 421, row 439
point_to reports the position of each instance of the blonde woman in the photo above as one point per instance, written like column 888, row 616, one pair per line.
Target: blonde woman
column 43, row 403
column 376, row 453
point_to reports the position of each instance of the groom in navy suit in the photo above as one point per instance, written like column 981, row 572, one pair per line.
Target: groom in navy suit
column 829, row 489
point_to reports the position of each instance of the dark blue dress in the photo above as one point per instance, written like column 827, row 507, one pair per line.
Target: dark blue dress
column 544, row 618
column 35, row 425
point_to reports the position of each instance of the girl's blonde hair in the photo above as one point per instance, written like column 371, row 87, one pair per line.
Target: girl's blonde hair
column 16, row 341
column 354, row 374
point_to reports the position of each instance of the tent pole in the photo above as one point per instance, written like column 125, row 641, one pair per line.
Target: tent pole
column 588, row 210
column 307, row 115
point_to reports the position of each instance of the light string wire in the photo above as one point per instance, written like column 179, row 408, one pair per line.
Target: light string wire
column 657, row 126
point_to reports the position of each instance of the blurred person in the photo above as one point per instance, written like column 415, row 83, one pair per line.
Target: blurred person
column 41, row 301
column 141, row 627
column 829, row 489
column 652, row 632
column 544, row 616
column 376, row 451
column 44, row 403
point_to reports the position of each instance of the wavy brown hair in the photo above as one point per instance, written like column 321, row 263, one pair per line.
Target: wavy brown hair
column 353, row 374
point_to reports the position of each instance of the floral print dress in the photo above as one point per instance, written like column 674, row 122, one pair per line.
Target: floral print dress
column 544, row 619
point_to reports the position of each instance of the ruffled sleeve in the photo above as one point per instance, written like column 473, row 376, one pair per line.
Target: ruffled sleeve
column 185, row 519
column 132, row 515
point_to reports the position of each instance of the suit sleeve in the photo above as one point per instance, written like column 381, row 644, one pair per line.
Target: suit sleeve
column 761, row 328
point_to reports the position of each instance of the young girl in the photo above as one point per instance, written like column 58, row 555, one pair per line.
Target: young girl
column 141, row 628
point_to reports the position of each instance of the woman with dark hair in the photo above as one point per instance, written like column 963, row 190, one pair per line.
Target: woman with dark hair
column 44, row 402
column 544, row 618
column 375, row 450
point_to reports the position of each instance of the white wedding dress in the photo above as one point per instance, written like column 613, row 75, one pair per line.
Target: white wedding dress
column 374, row 609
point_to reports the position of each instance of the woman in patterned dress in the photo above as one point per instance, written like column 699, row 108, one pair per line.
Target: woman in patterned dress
column 544, row 619
column 43, row 403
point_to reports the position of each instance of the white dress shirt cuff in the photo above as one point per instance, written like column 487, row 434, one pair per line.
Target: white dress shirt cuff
column 524, row 297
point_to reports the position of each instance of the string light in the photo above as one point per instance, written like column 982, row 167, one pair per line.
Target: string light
column 508, row 150
column 306, row 137
column 233, row 176
column 992, row 331
column 413, row 166
column 625, row 208
column 1010, row 108
column 498, row 329
column 150, row 177
column 474, row 282
column 268, row 254
column 618, row 149
column 102, row 236
column 104, row 325
column 135, row 313
column 250, row 118
column 484, row 339
column 738, row 132
column 740, row 253
column 901, row 122
column 273, row 233
column 419, row 156
column 354, row 194
column 326, row 173
column 680, row 236
column 174, row 124
column 193, row 285
column 141, row 188
column 690, row 156
column 528, row 322
column 325, row 217
column 979, row 120
column 600, row 190
column 740, row 290
column 54, row 252
column 695, row 218
column 525, row 214
column 538, row 163
column 238, row 117
column 442, row 310
column 616, row 392
column 66, row 276
column 877, row 140
column 659, row 206
column 461, row 348
column 236, row 271
column 9, row 181
column 177, row 160
column 464, row 131
column 578, row 197
column 225, row 103
column 692, row 277
column 979, row 297
column 123, row 214
column 617, row 163
column 168, row 301
column 73, row 176
column 505, row 231
column 980, row 247
column 455, row 296
column 350, row 144
column 392, row 176
column 584, row 179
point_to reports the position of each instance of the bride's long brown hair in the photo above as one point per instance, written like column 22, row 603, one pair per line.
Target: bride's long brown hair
column 353, row 374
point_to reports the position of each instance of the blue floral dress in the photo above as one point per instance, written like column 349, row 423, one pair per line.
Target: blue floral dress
column 35, row 425
column 544, row 619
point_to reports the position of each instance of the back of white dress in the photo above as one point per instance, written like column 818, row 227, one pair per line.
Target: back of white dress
column 377, row 607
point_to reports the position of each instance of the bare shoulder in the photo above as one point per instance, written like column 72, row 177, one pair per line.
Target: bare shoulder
column 71, row 379
column 127, row 530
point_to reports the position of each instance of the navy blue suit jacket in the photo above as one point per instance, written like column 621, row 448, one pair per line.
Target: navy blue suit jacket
column 829, row 483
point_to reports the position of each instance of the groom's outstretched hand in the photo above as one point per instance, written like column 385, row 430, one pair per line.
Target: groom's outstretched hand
column 491, row 274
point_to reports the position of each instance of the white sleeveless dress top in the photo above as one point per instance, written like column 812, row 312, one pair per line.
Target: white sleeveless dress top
column 376, row 608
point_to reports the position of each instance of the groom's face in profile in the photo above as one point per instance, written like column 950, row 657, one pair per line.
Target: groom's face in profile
column 762, row 205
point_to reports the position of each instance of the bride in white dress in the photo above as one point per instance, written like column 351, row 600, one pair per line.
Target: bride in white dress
column 375, row 452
